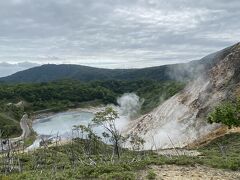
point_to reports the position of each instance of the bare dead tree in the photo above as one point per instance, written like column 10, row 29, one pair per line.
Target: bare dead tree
column 174, row 146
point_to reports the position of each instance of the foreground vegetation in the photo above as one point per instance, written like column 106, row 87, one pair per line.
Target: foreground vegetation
column 222, row 152
column 88, row 156
column 70, row 161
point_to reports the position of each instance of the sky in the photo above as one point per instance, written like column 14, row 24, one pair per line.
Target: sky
column 114, row 33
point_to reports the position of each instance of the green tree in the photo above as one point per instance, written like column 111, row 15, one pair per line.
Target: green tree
column 107, row 119
column 227, row 113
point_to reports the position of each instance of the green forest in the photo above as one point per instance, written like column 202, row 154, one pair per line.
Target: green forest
column 60, row 95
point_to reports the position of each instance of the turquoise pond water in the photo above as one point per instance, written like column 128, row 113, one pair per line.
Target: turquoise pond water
column 61, row 125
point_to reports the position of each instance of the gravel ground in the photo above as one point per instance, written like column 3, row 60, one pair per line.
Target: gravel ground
column 174, row 172
column 178, row 152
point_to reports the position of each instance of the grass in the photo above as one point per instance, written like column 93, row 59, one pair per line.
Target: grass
column 55, row 162
column 30, row 139
column 223, row 152
column 151, row 175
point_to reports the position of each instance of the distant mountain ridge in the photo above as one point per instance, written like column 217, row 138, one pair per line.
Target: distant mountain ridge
column 52, row 72
column 7, row 69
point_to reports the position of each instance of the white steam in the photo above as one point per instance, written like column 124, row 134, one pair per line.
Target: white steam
column 130, row 105
column 175, row 122
column 129, row 108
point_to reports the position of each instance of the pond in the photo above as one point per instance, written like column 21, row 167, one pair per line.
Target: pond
column 61, row 125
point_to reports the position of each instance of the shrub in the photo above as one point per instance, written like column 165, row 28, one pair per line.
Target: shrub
column 127, row 175
column 151, row 175
column 227, row 113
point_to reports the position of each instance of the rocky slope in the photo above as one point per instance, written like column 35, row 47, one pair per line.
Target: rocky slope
column 181, row 119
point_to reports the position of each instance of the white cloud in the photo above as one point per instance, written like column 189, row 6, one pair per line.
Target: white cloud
column 174, row 20
column 16, row 2
column 119, row 33
column 8, row 68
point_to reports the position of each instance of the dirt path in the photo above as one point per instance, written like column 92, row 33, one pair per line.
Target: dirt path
column 25, row 129
column 174, row 172
column 25, row 133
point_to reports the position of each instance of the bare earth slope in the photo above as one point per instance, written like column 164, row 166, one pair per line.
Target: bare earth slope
column 182, row 119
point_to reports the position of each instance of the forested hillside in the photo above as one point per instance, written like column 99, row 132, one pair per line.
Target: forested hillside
column 59, row 95
column 51, row 72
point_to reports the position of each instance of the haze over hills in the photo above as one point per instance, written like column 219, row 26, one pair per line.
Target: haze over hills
column 52, row 72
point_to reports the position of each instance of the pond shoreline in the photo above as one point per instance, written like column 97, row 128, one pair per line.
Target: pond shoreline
column 38, row 117
column 90, row 109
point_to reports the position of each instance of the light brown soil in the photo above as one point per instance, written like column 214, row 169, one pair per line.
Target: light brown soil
column 174, row 172
column 211, row 136
column 178, row 152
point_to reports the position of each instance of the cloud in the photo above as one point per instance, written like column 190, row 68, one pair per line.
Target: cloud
column 115, row 33
column 8, row 69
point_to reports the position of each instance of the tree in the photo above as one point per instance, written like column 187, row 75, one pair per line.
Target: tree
column 107, row 119
column 227, row 113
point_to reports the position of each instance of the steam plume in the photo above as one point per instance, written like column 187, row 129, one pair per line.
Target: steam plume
column 129, row 108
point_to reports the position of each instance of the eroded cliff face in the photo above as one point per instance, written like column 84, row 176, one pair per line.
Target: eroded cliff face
column 181, row 120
